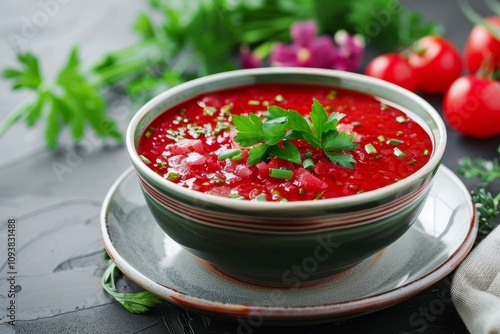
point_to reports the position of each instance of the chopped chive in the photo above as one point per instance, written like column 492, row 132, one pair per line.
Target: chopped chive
column 228, row 107
column 318, row 195
column 369, row 148
column 381, row 138
column 302, row 191
column 173, row 176
column 398, row 153
column 229, row 153
column 383, row 106
column 308, row 164
column 361, row 191
column 163, row 165
column 210, row 111
column 411, row 162
column 254, row 102
column 378, row 157
column 401, row 119
column 426, row 152
column 218, row 180
column 149, row 132
column 279, row 98
column 355, row 124
column 399, row 133
column 237, row 196
column 144, row 159
column 280, row 173
column 283, row 199
column 261, row 198
column 394, row 142
column 331, row 95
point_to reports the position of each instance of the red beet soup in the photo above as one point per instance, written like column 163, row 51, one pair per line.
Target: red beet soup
column 194, row 145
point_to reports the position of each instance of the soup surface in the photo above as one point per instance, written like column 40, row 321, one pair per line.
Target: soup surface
column 194, row 145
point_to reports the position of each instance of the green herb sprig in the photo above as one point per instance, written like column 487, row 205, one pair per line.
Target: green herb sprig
column 282, row 125
column 137, row 302
column 488, row 171
column 72, row 100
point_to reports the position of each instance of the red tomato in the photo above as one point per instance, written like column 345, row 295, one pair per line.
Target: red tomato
column 481, row 44
column 472, row 107
column 394, row 68
column 437, row 63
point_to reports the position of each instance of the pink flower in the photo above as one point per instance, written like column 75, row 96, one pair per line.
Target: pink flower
column 249, row 59
column 306, row 50
column 309, row 50
column 350, row 51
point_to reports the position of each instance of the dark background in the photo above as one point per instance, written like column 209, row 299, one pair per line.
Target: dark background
column 59, row 257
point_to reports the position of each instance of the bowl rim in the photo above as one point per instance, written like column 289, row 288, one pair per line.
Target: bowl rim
column 356, row 199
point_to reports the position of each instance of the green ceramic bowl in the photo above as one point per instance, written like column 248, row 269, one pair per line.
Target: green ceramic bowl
column 291, row 243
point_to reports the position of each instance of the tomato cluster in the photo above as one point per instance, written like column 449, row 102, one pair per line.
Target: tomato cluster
column 471, row 104
column 430, row 65
column 433, row 65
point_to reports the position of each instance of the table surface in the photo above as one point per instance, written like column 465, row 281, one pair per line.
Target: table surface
column 59, row 258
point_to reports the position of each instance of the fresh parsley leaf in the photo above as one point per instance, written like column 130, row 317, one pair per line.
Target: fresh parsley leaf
column 249, row 129
column 257, row 154
column 137, row 303
column 288, row 152
column 273, row 130
column 321, row 132
column 345, row 160
column 71, row 101
column 275, row 112
column 319, row 117
column 28, row 76
column 339, row 141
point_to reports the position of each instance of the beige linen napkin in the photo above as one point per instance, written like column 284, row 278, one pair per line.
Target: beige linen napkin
column 475, row 288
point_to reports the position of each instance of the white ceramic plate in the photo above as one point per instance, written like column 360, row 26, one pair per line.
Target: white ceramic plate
column 437, row 242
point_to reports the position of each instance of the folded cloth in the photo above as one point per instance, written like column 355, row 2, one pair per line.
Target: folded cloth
column 475, row 288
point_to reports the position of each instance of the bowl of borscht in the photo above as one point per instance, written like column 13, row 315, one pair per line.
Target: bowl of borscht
column 285, row 176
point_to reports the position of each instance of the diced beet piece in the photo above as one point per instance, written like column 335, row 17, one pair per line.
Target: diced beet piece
column 185, row 146
column 308, row 181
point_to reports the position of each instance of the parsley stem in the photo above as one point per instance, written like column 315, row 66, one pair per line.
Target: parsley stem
column 14, row 115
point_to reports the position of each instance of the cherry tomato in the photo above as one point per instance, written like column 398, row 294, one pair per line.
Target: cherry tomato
column 472, row 107
column 394, row 68
column 481, row 44
column 437, row 63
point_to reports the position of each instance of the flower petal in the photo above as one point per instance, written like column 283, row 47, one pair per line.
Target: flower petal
column 303, row 33
column 351, row 49
column 284, row 55
column 322, row 51
column 248, row 59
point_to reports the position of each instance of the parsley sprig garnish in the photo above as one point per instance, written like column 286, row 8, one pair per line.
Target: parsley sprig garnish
column 135, row 302
column 283, row 125
column 487, row 171
column 72, row 100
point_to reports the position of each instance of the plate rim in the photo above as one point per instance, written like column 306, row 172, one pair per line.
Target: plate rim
column 331, row 311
